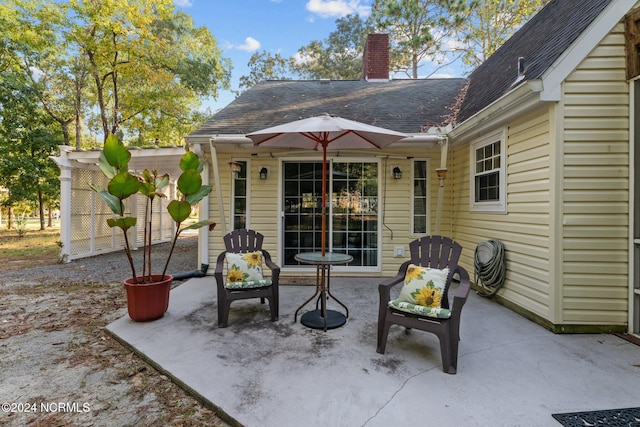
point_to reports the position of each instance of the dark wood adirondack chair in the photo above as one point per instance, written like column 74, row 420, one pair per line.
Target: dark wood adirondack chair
column 243, row 241
column 435, row 252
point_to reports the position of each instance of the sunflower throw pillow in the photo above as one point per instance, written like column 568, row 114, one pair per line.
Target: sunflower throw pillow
column 423, row 286
column 244, row 267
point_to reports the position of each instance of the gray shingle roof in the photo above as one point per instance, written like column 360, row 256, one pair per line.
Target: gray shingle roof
column 540, row 42
column 410, row 106
column 401, row 105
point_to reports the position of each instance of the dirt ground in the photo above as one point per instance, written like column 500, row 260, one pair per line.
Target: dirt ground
column 58, row 365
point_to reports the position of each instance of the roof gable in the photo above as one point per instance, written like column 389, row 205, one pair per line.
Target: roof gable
column 540, row 42
column 407, row 106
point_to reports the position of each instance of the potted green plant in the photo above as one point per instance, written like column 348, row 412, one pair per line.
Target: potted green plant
column 148, row 293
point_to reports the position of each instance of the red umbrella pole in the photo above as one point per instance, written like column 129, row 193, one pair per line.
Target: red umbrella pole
column 324, row 197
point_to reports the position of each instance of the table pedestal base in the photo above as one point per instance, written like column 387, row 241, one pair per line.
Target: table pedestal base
column 313, row 319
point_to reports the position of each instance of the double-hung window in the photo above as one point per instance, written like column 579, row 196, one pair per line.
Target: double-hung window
column 488, row 176
column 420, row 207
column 239, row 208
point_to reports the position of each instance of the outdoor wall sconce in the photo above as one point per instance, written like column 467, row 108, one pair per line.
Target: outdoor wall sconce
column 442, row 173
column 264, row 173
column 397, row 172
column 235, row 168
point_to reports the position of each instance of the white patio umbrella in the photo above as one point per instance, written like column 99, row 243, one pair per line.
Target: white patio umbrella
column 329, row 133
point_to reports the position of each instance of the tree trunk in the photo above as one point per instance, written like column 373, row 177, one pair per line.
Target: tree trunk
column 41, row 209
column 49, row 216
column 78, row 108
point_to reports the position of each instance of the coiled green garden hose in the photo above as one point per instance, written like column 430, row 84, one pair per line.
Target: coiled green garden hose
column 489, row 267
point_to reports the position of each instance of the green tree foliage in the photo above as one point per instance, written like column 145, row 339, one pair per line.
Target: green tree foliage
column 28, row 136
column 338, row 57
column 438, row 31
column 265, row 66
column 490, row 23
column 38, row 40
column 136, row 66
column 418, row 30
column 148, row 63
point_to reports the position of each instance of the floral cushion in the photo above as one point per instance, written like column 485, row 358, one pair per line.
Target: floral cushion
column 424, row 286
column 249, row 285
column 438, row 312
column 244, row 267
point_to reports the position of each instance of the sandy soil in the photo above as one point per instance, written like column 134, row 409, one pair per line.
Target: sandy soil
column 58, row 366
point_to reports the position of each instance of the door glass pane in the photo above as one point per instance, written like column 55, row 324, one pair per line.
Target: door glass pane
column 355, row 211
column 352, row 205
column 302, row 209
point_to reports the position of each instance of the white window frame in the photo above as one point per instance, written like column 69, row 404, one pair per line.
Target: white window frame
column 233, row 194
column 330, row 163
column 427, row 195
column 495, row 206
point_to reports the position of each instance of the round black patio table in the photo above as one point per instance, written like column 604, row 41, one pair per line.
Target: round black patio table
column 323, row 318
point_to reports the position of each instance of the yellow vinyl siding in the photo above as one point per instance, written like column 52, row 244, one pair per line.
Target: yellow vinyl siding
column 216, row 213
column 524, row 229
column 396, row 222
column 263, row 204
column 396, row 219
column 595, row 188
column 395, row 225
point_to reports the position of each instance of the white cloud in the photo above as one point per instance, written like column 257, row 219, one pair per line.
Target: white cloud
column 250, row 45
column 182, row 3
column 442, row 76
column 337, row 8
column 299, row 59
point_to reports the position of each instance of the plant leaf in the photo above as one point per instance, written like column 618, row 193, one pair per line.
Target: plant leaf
column 195, row 226
column 112, row 201
column 162, row 182
column 179, row 210
column 124, row 223
column 189, row 160
column 116, row 153
column 189, row 182
column 199, row 195
column 148, row 189
column 146, row 176
column 123, row 185
column 108, row 170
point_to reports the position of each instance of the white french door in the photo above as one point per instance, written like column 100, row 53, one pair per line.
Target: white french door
column 352, row 210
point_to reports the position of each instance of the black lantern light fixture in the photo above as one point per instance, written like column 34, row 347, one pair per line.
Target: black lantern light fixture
column 264, row 172
column 397, row 172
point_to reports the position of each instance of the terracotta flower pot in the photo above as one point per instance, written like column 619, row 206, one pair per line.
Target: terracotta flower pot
column 148, row 301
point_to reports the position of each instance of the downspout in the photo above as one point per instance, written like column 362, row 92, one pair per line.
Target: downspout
column 191, row 274
column 442, row 173
column 216, row 177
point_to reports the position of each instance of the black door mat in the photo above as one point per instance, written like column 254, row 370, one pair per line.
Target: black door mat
column 610, row 417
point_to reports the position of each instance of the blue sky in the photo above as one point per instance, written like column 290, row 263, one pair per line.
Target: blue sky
column 243, row 27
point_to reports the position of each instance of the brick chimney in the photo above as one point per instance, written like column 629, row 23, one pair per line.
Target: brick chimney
column 375, row 59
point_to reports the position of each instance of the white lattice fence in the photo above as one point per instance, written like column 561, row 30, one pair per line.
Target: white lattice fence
column 90, row 234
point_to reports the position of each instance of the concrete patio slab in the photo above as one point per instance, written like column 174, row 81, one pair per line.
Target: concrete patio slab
column 511, row 372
